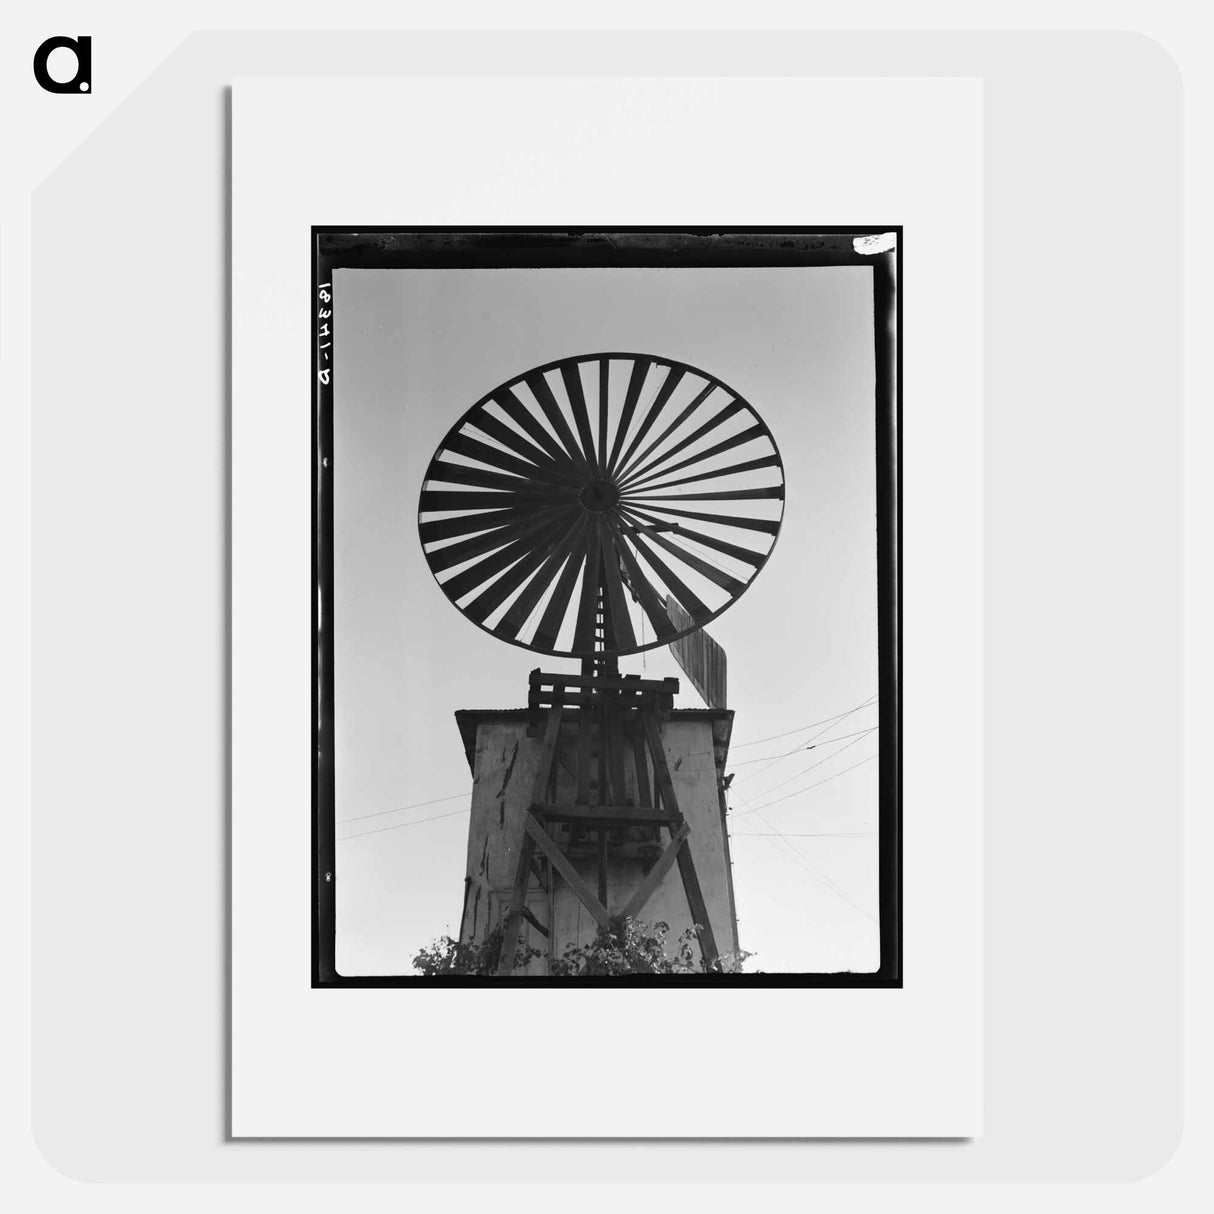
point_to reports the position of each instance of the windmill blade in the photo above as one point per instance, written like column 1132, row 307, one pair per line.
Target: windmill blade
column 770, row 526
column 640, row 368
column 464, row 550
column 546, row 468
column 545, row 576
column 731, row 585
column 571, row 377
column 465, row 474
column 748, row 435
column 552, row 411
column 750, row 556
column 465, row 582
column 535, row 552
column 712, row 474
column 530, row 425
column 674, row 376
column 688, row 411
column 724, row 495
column 529, row 508
column 734, row 407
column 443, row 499
column 536, row 466
column 688, row 599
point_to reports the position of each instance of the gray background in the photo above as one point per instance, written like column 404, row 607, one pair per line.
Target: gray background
column 1082, row 617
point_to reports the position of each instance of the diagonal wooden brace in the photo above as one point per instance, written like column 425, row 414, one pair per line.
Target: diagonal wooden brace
column 559, row 861
column 522, row 872
column 653, row 878
column 518, row 901
column 687, row 867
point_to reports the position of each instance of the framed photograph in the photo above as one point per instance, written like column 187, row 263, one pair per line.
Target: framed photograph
column 606, row 610
column 612, row 695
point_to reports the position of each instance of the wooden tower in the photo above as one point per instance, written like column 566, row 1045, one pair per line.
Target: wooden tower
column 554, row 516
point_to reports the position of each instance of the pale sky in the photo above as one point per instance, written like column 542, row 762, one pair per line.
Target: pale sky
column 414, row 349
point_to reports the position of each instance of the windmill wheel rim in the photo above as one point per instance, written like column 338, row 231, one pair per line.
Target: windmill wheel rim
column 553, row 481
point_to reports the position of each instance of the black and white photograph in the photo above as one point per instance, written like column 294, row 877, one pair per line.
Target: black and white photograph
column 606, row 560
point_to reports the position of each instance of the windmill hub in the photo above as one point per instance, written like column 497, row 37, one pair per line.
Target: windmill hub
column 599, row 495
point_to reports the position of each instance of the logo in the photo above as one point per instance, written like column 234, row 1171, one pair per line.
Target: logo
column 82, row 48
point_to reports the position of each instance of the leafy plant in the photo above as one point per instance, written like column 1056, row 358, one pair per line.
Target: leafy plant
column 627, row 946
column 446, row 956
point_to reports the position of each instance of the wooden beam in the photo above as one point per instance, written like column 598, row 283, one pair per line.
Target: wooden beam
column 603, row 865
column 699, row 909
column 615, row 760
column 586, row 699
column 661, row 767
column 592, row 814
column 561, row 864
column 538, row 875
column 644, row 782
column 584, row 747
column 518, row 900
column 538, row 678
column 552, row 732
column 653, row 878
column 687, row 868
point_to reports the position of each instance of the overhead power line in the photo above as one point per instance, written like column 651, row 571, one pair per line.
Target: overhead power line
column 800, row 729
column 751, row 775
column 400, row 809
column 813, row 834
column 397, row 825
column 798, row 791
column 789, row 849
column 856, row 740
column 809, row 746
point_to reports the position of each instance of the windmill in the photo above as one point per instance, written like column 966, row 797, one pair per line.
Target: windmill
column 590, row 509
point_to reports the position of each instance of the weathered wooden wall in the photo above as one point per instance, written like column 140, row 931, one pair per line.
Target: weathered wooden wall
column 504, row 761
